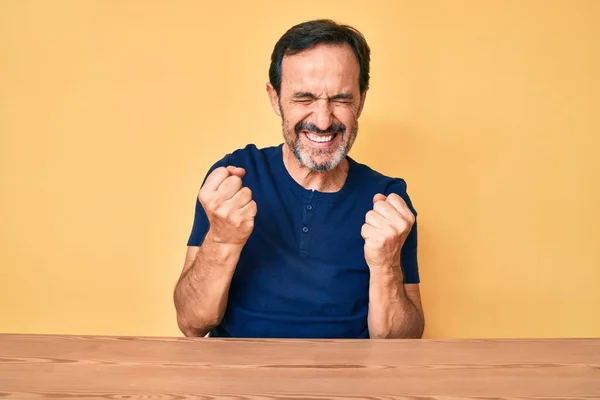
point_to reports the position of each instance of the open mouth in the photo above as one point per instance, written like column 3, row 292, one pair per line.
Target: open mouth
column 313, row 137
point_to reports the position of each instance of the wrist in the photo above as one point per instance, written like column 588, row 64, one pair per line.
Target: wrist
column 221, row 247
column 387, row 274
column 218, row 240
column 385, row 269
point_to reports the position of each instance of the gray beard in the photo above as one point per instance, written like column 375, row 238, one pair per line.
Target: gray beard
column 304, row 160
column 337, row 157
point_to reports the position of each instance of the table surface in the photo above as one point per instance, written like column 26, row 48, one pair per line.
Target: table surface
column 88, row 367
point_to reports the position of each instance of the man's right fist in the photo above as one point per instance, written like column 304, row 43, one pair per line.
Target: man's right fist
column 228, row 206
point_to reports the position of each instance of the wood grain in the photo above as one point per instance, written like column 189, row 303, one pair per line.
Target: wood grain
column 86, row 367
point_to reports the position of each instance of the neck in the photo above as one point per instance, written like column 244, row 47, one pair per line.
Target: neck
column 322, row 181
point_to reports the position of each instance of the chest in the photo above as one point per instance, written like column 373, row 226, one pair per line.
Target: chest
column 305, row 254
column 310, row 226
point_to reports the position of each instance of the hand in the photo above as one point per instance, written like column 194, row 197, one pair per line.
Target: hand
column 228, row 206
column 385, row 230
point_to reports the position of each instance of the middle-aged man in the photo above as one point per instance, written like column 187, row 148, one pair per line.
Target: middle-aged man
column 299, row 240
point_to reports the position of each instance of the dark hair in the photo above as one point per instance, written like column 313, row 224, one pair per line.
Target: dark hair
column 309, row 34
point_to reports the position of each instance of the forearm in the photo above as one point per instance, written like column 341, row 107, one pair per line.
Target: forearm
column 391, row 312
column 202, row 292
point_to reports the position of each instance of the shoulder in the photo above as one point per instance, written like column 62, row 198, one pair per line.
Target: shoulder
column 382, row 183
column 385, row 183
column 248, row 155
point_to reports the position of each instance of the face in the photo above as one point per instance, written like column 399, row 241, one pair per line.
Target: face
column 319, row 104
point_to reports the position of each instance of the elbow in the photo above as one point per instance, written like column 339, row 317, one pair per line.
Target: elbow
column 419, row 328
column 381, row 332
column 199, row 326
column 191, row 332
column 194, row 321
column 409, row 329
column 414, row 334
column 378, row 335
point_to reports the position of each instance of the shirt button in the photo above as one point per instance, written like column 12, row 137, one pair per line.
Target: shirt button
column 309, row 207
column 305, row 229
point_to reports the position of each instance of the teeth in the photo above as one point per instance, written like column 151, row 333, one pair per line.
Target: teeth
column 319, row 139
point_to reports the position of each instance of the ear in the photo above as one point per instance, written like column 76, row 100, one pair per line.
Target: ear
column 363, row 97
column 274, row 98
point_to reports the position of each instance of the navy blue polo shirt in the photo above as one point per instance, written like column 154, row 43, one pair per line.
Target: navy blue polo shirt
column 302, row 273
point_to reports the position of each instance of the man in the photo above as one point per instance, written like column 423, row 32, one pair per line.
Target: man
column 300, row 240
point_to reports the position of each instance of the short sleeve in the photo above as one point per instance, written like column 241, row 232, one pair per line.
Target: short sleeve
column 408, row 254
column 201, row 225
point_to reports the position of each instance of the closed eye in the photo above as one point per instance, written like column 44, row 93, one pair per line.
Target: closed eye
column 308, row 98
column 343, row 98
column 342, row 101
column 304, row 100
column 303, row 97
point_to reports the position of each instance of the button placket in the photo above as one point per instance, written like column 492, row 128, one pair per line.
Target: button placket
column 307, row 213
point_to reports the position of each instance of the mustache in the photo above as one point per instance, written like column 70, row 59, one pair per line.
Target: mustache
column 310, row 127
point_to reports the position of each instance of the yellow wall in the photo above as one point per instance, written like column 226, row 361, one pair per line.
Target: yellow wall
column 111, row 112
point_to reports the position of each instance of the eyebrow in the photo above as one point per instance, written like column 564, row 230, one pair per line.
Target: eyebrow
column 309, row 95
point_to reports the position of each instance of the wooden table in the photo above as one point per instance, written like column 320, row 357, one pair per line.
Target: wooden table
column 83, row 367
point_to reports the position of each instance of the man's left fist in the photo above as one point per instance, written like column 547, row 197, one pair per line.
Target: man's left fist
column 385, row 230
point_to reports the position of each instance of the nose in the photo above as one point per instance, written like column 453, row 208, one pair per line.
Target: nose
column 323, row 114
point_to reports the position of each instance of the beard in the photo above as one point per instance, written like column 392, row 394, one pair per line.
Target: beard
column 320, row 160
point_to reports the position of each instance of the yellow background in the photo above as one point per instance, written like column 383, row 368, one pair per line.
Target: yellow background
column 111, row 112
